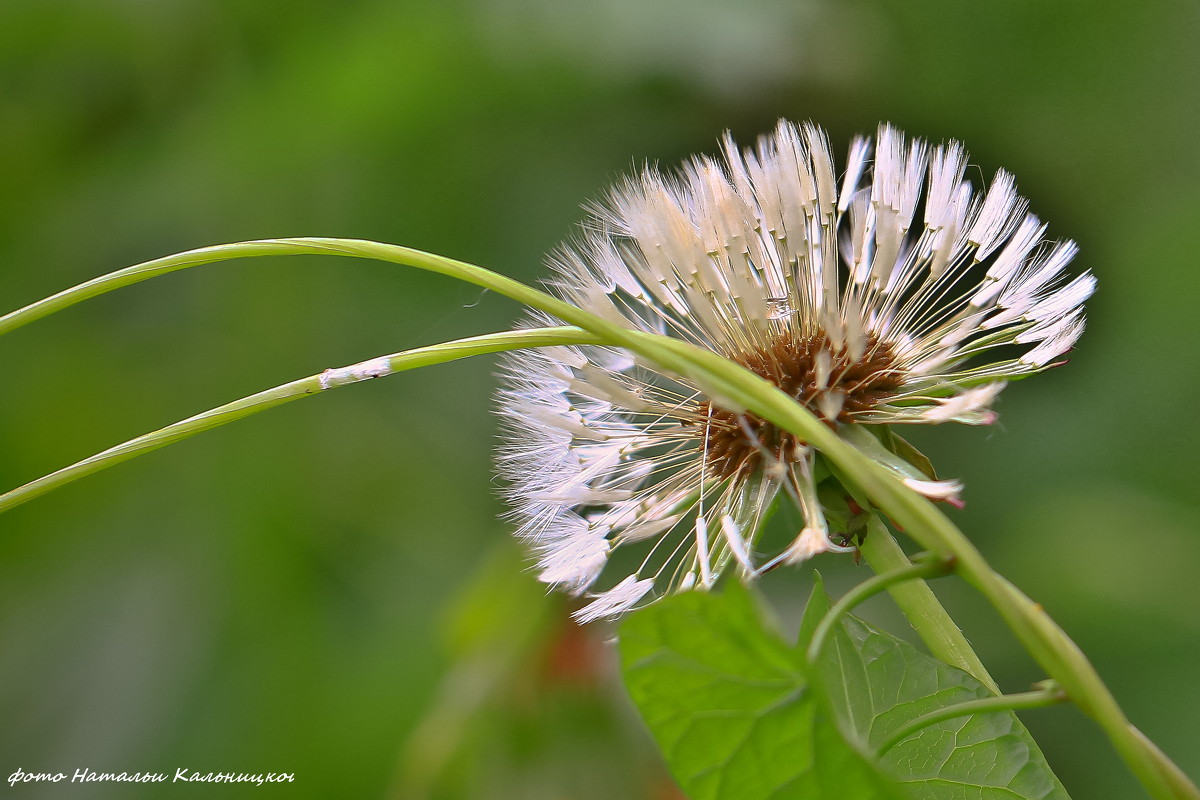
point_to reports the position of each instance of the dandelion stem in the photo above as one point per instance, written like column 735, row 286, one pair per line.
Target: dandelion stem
column 358, row 248
column 921, row 607
column 1049, row 694
column 295, row 390
column 928, row 567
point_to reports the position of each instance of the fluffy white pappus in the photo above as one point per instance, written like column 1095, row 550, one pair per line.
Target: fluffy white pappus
column 615, row 601
column 972, row 407
column 811, row 542
column 880, row 299
column 573, row 562
column 944, row 491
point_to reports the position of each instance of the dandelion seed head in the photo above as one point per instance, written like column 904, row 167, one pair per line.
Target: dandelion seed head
column 878, row 299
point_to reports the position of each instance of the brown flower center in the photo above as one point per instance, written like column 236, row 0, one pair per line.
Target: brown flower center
column 826, row 379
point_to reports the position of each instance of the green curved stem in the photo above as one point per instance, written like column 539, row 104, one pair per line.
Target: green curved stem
column 294, row 390
column 358, row 248
column 921, row 607
column 924, row 568
column 1040, row 698
column 736, row 387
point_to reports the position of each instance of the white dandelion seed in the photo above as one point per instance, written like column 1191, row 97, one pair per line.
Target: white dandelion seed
column 863, row 299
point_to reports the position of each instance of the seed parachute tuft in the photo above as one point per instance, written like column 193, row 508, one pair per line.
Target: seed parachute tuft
column 896, row 295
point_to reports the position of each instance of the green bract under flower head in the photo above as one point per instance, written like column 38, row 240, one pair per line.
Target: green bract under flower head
column 863, row 298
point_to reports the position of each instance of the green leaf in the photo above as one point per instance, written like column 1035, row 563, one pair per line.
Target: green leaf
column 816, row 608
column 905, row 449
column 879, row 683
column 739, row 715
column 728, row 702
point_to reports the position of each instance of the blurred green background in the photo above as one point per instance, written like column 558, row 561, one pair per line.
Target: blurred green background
column 326, row 589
